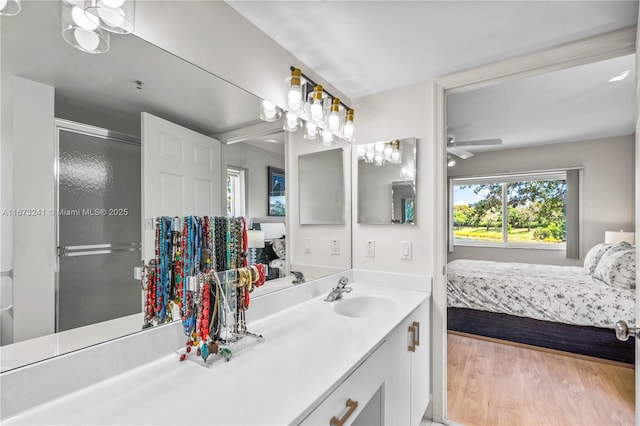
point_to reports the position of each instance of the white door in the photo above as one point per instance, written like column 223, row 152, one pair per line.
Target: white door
column 182, row 175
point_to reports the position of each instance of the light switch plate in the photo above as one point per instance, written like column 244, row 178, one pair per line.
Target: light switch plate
column 406, row 250
column 370, row 249
column 335, row 247
column 307, row 245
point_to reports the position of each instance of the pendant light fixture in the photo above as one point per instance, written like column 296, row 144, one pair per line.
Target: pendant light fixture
column 9, row 7
column 296, row 90
column 80, row 32
column 323, row 113
column 269, row 112
column 316, row 102
column 116, row 16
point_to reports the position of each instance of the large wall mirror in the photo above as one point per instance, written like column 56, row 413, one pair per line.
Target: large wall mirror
column 387, row 182
column 74, row 141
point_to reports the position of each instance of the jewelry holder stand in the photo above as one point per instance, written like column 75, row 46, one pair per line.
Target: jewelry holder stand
column 231, row 341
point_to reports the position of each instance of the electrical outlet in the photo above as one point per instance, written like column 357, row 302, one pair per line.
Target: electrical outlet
column 307, row 245
column 149, row 224
column 406, row 250
column 335, row 247
column 371, row 249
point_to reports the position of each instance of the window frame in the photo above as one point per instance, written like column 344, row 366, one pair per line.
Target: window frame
column 504, row 180
column 239, row 192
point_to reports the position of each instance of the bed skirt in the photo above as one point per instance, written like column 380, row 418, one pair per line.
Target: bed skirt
column 591, row 341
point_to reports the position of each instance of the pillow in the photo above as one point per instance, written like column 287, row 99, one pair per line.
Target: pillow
column 617, row 268
column 594, row 255
column 279, row 247
column 269, row 253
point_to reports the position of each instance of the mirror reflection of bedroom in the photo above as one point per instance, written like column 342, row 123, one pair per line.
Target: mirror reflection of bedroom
column 541, row 262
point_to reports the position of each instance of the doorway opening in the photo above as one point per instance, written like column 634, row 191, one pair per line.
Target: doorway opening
column 489, row 162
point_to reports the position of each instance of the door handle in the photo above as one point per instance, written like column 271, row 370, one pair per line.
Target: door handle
column 623, row 331
column 351, row 405
column 416, row 324
column 412, row 346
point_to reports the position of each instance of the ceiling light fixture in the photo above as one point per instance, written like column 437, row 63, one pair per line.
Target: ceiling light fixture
column 86, row 24
column 116, row 16
column 312, row 103
column 80, row 32
column 9, row 7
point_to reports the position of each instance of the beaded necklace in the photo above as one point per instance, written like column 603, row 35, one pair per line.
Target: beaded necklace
column 150, row 291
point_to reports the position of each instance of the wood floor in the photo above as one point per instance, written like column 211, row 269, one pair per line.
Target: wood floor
column 496, row 384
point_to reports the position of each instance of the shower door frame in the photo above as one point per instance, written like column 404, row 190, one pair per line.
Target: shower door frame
column 93, row 131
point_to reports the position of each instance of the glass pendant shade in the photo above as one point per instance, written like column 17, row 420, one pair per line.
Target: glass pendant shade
column 9, row 7
column 295, row 88
column 116, row 16
column 316, row 101
column 370, row 153
column 327, row 138
column 269, row 112
column 334, row 116
column 396, row 157
column 311, row 131
column 291, row 122
column 80, row 32
column 348, row 128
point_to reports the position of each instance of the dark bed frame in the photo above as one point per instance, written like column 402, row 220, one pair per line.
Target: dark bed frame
column 591, row 341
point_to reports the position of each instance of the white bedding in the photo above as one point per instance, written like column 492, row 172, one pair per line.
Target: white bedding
column 565, row 294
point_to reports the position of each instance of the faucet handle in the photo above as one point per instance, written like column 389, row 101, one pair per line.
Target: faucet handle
column 342, row 282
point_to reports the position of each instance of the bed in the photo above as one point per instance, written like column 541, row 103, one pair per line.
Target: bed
column 568, row 308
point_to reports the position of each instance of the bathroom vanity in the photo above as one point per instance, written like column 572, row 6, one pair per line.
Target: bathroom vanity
column 362, row 359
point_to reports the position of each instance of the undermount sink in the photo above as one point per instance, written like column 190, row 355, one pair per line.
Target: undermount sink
column 363, row 306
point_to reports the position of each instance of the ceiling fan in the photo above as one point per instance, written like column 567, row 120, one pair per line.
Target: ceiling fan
column 453, row 146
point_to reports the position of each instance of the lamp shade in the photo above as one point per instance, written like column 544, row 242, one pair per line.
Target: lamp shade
column 255, row 239
column 616, row 237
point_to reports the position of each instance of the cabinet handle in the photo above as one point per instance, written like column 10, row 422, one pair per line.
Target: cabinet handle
column 412, row 346
column 416, row 324
column 351, row 405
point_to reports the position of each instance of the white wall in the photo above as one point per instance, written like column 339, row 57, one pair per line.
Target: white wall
column 255, row 161
column 397, row 114
column 33, row 145
column 320, row 235
column 608, row 188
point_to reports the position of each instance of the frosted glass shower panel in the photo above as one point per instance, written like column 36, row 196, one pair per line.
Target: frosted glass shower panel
column 99, row 229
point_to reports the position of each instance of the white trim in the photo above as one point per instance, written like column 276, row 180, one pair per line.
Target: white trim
column 605, row 46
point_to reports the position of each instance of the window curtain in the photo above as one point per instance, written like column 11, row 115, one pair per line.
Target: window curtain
column 573, row 214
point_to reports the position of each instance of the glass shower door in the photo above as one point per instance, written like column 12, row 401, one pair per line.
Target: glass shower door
column 99, row 193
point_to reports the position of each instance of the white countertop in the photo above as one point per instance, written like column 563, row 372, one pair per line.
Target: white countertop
column 34, row 350
column 307, row 350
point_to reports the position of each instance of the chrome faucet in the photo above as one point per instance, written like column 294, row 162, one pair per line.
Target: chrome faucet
column 336, row 293
column 299, row 277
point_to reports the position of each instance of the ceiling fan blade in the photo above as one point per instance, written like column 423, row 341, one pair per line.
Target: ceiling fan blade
column 478, row 142
column 458, row 152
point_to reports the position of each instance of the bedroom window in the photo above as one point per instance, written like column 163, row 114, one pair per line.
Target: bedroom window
column 236, row 192
column 528, row 210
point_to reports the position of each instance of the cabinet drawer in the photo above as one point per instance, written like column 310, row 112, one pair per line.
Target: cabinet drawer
column 359, row 387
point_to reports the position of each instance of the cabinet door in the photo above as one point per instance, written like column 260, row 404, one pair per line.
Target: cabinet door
column 420, row 364
column 397, row 388
column 349, row 399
